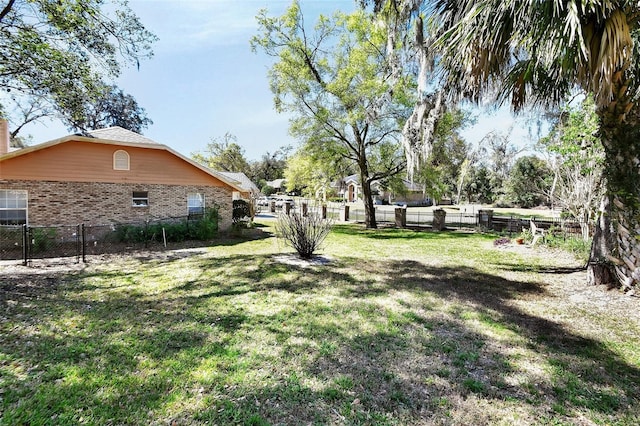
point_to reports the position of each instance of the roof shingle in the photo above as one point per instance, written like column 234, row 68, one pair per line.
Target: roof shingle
column 119, row 134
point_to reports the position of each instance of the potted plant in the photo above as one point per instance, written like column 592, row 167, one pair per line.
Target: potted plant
column 525, row 236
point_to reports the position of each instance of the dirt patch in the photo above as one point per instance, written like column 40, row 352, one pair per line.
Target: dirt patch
column 566, row 282
column 548, row 255
column 295, row 260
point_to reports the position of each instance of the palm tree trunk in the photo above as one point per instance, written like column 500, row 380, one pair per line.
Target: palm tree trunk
column 615, row 253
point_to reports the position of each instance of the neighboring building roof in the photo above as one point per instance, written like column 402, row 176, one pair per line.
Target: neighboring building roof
column 244, row 181
column 412, row 186
column 352, row 178
column 276, row 183
column 119, row 134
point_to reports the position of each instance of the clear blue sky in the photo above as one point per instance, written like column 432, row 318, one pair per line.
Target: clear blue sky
column 205, row 81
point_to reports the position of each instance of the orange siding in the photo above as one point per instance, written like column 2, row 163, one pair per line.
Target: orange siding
column 77, row 161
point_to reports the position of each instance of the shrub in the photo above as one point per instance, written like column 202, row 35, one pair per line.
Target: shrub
column 268, row 190
column 173, row 232
column 130, row 234
column 579, row 247
column 42, row 239
column 207, row 227
column 303, row 233
column 241, row 211
column 501, row 241
column 203, row 229
column 241, row 214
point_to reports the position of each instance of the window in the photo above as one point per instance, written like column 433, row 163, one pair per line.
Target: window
column 140, row 199
column 13, row 207
column 195, row 204
column 120, row 160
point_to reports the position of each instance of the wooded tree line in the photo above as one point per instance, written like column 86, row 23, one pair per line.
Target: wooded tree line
column 564, row 173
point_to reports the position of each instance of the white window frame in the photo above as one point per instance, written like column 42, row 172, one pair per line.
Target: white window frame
column 14, row 200
column 140, row 200
column 121, row 160
column 195, row 200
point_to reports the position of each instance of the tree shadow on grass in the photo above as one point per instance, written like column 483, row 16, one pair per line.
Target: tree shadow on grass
column 427, row 360
column 543, row 269
column 403, row 346
column 585, row 373
column 423, row 363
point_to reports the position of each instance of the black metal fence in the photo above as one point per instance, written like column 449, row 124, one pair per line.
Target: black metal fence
column 39, row 242
column 510, row 225
column 79, row 241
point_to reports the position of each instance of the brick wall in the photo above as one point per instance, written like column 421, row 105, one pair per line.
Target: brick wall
column 70, row 203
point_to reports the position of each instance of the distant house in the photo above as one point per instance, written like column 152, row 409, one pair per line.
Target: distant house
column 413, row 194
column 250, row 190
column 277, row 184
column 349, row 189
column 108, row 176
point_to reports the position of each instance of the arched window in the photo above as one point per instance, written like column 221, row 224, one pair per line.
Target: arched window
column 120, row 160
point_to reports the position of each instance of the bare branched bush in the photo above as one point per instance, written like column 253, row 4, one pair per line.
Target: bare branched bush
column 303, row 233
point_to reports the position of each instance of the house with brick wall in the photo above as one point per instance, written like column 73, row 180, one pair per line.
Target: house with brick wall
column 107, row 176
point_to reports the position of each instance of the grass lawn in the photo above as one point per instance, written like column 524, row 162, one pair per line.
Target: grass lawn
column 393, row 328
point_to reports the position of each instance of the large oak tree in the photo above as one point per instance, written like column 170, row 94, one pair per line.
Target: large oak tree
column 61, row 52
column 335, row 81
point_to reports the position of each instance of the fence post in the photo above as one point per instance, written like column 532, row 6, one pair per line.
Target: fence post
column 485, row 218
column 439, row 220
column 25, row 244
column 401, row 217
column 77, row 234
column 84, row 243
column 344, row 213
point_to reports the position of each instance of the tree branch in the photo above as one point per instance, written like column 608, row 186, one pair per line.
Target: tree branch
column 6, row 9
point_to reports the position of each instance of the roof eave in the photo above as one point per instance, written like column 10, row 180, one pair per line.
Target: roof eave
column 74, row 138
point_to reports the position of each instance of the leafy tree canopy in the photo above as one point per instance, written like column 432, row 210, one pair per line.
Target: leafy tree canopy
column 576, row 157
column 440, row 172
column 60, row 51
column 224, row 154
column 529, row 181
column 270, row 167
column 313, row 170
column 112, row 107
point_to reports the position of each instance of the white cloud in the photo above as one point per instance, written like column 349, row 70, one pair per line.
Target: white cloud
column 197, row 25
column 200, row 24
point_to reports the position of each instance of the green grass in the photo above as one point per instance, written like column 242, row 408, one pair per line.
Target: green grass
column 399, row 328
